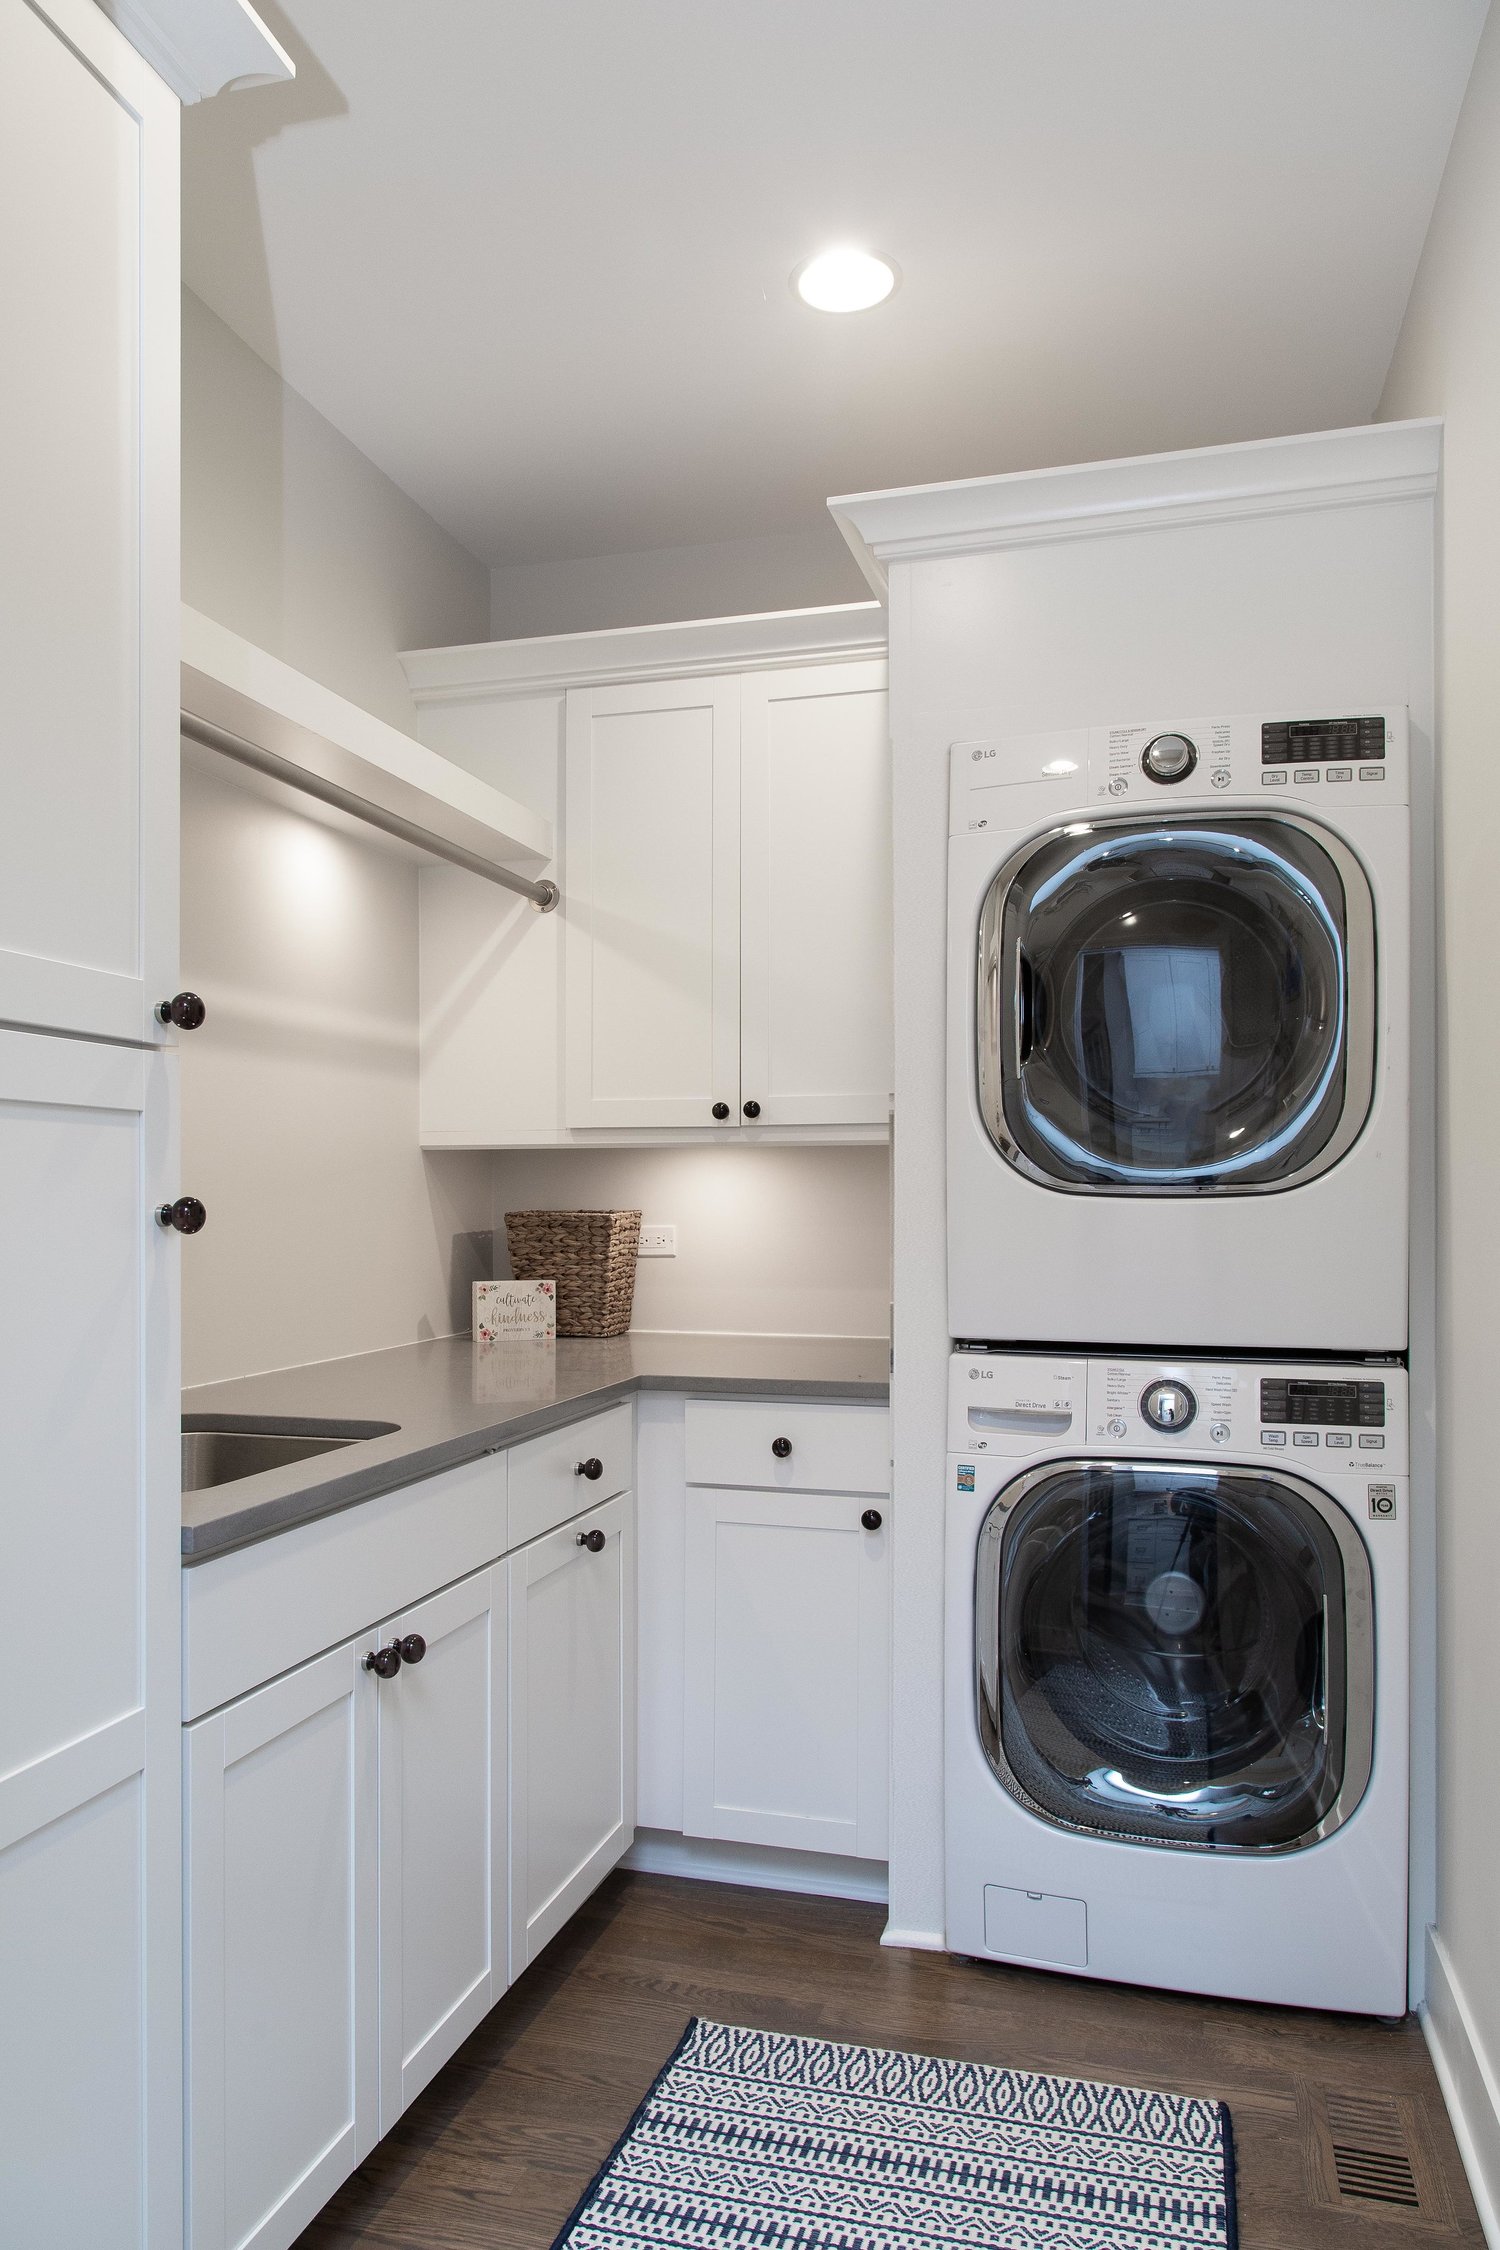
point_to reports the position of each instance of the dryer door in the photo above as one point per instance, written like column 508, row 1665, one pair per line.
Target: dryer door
column 1174, row 1007
column 1179, row 1654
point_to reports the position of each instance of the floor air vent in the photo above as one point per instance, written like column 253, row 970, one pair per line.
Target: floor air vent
column 1370, row 2160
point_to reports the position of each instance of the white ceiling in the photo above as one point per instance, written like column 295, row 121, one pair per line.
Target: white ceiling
column 532, row 256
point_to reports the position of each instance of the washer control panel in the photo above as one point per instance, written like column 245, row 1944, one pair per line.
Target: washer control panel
column 1180, row 761
column 1027, row 1405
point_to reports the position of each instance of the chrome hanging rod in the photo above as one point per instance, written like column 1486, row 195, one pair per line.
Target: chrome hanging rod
column 543, row 894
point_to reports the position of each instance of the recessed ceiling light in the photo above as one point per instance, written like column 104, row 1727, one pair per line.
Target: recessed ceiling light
column 844, row 280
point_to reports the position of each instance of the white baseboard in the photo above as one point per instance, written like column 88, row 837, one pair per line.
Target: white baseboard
column 914, row 1941
column 764, row 1867
column 1469, row 2084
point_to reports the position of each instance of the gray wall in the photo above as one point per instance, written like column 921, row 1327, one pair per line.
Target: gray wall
column 329, row 1230
column 658, row 585
column 770, row 1241
column 1447, row 362
column 293, row 538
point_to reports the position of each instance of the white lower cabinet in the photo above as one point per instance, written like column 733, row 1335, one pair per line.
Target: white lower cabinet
column 283, row 1993
column 572, row 1718
column 443, row 1872
column 787, row 1669
column 346, row 1907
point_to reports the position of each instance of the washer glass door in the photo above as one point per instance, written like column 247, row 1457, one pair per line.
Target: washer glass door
column 1176, row 1653
column 1177, row 1006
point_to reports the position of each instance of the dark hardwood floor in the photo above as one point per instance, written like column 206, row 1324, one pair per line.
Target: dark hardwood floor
column 498, row 2149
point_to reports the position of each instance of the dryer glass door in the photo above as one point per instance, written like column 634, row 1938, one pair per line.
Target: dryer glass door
column 1176, row 1653
column 1174, row 1007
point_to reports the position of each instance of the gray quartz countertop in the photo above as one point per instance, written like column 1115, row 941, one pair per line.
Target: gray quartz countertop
column 453, row 1400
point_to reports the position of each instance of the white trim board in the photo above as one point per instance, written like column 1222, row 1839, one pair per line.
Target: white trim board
column 1270, row 476
column 201, row 46
column 1469, row 2084
column 551, row 662
column 759, row 1867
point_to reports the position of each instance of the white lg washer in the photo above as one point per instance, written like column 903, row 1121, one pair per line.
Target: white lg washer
column 1176, row 1659
column 1178, row 1034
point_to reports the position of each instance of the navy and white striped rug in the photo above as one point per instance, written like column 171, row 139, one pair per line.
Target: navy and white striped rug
column 751, row 2140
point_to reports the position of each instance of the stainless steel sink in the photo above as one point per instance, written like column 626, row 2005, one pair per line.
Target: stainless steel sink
column 213, row 1452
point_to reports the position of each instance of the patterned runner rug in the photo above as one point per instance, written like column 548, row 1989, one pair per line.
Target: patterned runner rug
column 751, row 2140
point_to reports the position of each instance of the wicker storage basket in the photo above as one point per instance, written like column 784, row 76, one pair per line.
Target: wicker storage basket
column 589, row 1254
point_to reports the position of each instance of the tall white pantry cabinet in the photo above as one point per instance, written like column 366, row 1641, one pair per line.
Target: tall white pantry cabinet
column 90, row 1979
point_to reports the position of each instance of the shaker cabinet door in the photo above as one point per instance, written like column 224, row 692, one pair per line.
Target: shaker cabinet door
column 283, row 1998
column 572, row 1718
column 89, row 1560
column 651, row 904
column 444, row 1929
column 787, row 1686
column 88, row 564
column 815, row 900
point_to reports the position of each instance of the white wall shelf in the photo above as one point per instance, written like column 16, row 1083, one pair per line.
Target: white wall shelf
column 318, row 739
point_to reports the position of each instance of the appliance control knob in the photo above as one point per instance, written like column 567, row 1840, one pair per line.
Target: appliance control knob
column 1117, row 1425
column 1169, row 757
column 1219, row 1432
column 1168, row 1406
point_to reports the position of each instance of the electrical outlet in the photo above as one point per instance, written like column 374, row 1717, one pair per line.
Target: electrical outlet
column 658, row 1242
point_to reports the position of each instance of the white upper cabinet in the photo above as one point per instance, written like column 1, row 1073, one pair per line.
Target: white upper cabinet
column 88, row 566
column 651, row 900
column 815, row 895
column 724, row 933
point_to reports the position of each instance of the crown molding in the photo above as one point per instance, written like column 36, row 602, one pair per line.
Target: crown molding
column 557, row 661
column 1211, row 484
column 200, row 47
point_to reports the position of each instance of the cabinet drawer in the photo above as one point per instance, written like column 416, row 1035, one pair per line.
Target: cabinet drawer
column 832, row 1448
column 546, row 1486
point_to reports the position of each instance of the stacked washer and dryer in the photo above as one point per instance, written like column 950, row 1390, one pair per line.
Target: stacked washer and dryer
column 1177, row 1574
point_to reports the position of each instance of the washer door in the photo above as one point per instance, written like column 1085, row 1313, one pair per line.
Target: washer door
column 1177, row 1007
column 1179, row 1654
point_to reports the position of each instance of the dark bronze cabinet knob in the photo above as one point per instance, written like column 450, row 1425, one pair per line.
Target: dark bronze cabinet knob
column 593, row 1469
column 185, row 1010
column 593, row 1540
column 721, row 1111
column 872, row 1519
column 412, row 1649
column 186, row 1215
column 781, row 1447
column 385, row 1663
column 752, row 1109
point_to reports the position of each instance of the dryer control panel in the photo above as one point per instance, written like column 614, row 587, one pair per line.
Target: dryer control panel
column 1020, row 1404
column 1180, row 760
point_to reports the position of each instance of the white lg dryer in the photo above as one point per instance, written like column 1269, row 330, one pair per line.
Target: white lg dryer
column 1178, row 1034
column 1176, row 1673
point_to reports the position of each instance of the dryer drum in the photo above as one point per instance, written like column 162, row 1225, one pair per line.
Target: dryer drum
column 1176, row 1654
column 1174, row 1007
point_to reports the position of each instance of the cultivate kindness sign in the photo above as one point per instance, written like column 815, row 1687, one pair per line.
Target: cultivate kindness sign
column 514, row 1308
